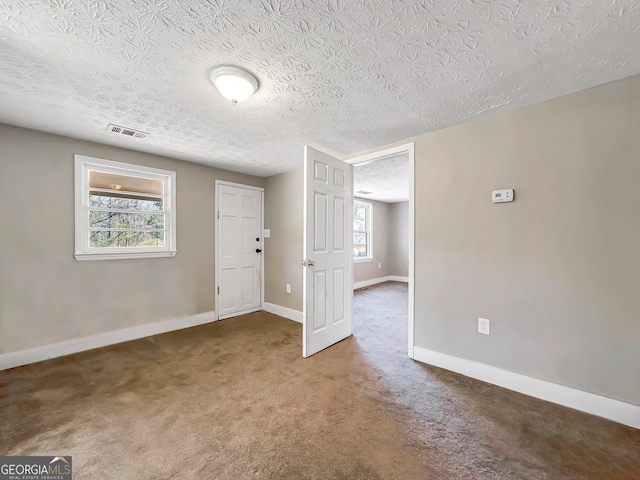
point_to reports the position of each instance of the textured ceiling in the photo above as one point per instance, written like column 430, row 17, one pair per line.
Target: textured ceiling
column 387, row 179
column 339, row 75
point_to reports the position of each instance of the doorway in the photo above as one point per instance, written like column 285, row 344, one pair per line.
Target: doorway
column 384, row 171
column 239, row 261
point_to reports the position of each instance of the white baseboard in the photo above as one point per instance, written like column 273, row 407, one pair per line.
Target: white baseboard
column 395, row 278
column 285, row 312
column 621, row 412
column 237, row 314
column 367, row 283
column 374, row 281
column 45, row 352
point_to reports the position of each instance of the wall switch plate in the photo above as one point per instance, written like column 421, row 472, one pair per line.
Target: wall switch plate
column 500, row 196
column 484, row 326
column 379, row 265
column 288, row 288
column 266, row 233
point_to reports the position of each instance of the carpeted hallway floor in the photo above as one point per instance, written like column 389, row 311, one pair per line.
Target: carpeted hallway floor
column 235, row 400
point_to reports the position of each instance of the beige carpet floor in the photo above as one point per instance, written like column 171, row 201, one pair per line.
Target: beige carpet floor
column 236, row 400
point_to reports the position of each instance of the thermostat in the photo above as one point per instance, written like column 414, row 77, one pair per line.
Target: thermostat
column 499, row 196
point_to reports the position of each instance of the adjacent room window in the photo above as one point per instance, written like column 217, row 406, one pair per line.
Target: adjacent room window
column 123, row 210
column 362, row 248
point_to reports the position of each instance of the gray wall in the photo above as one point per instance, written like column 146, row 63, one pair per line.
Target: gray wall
column 46, row 296
column 367, row 270
column 556, row 271
column 283, row 199
column 398, row 235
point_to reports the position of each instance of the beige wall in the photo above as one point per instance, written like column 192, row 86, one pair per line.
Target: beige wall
column 46, row 296
column 283, row 199
column 368, row 269
column 556, row 271
column 398, row 235
column 390, row 243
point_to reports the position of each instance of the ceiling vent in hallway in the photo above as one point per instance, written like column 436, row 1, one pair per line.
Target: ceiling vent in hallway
column 130, row 132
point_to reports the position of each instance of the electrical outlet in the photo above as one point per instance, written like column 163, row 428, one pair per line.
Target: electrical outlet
column 484, row 326
column 288, row 288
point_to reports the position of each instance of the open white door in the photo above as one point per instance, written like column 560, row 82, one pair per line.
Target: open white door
column 328, row 250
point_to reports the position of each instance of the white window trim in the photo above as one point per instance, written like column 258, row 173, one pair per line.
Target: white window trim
column 369, row 205
column 82, row 165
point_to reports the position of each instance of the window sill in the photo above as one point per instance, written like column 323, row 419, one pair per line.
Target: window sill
column 81, row 257
column 362, row 260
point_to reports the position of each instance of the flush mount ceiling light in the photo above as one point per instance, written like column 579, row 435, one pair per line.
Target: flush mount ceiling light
column 234, row 83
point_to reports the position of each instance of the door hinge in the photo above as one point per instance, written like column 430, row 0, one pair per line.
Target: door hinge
column 218, row 290
column 218, row 214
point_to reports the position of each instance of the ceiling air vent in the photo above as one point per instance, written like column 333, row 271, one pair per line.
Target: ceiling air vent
column 363, row 192
column 130, row 132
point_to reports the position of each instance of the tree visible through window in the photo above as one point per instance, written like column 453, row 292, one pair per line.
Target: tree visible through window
column 362, row 231
column 120, row 218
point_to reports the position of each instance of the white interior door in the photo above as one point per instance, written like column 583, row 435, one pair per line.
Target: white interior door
column 328, row 251
column 239, row 250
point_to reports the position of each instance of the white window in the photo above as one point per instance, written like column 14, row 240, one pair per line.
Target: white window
column 123, row 210
column 362, row 247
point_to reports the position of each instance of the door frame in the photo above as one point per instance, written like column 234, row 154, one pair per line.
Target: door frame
column 379, row 155
column 217, row 273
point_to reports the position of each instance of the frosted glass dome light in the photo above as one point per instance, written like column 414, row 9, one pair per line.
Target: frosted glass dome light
column 233, row 83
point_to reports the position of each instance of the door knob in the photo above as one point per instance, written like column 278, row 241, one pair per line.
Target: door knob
column 258, row 250
column 311, row 263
